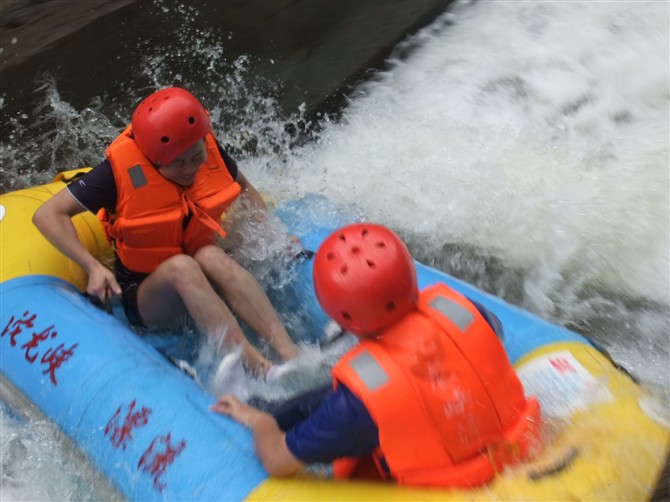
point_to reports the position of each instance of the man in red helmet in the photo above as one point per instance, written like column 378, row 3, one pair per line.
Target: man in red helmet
column 427, row 398
column 160, row 195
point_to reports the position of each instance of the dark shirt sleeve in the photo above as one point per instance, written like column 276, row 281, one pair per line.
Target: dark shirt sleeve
column 490, row 318
column 96, row 189
column 340, row 427
column 230, row 162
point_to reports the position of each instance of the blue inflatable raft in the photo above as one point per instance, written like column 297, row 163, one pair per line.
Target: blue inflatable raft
column 147, row 427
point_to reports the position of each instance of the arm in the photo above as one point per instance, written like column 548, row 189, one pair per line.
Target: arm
column 250, row 191
column 54, row 220
column 269, row 440
column 340, row 426
column 262, row 210
column 247, row 188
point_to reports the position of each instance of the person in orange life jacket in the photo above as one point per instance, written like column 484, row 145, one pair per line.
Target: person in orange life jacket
column 160, row 195
column 427, row 397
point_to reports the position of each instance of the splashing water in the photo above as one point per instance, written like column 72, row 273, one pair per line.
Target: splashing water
column 521, row 146
column 37, row 465
column 535, row 168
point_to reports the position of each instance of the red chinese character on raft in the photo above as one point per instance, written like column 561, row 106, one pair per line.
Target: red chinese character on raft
column 561, row 364
column 122, row 429
column 55, row 358
column 17, row 326
column 37, row 338
column 158, row 457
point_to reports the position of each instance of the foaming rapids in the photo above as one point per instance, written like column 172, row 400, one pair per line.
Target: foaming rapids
column 535, row 167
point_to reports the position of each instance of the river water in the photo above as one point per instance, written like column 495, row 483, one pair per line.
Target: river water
column 521, row 146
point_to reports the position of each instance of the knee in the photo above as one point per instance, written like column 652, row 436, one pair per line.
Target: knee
column 181, row 269
column 209, row 254
column 214, row 261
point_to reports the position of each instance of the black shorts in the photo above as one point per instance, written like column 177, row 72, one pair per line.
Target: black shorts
column 130, row 282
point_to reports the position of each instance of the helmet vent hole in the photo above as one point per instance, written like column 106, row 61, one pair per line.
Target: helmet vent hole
column 344, row 269
column 151, row 108
column 191, row 120
column 342, row 238
column 371, row 264
column 330, row 256
column 165, row 139
column 380, row 244
column 346, row 315
column 364, row 232
column 355, row 250
column 390, row 306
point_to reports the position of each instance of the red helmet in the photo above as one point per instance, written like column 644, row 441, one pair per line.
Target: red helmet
column 365, row 278
column 167, row 123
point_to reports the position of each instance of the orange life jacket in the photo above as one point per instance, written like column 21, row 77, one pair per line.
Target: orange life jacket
column 448, row 404
column 149, row 224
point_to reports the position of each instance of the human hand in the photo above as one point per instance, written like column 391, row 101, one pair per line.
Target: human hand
column 102, row 283
column 232, row 407
column 269, row 439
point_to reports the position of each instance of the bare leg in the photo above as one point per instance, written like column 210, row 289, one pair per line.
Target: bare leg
column 246, row 298
column 179, row 286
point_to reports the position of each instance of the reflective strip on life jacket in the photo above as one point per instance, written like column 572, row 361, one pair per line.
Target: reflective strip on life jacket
column 447, row 403
column 455, row 312
column 369, row 371
column 149, row 224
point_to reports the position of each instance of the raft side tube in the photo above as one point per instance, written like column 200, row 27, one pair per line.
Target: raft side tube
column 148, row 427
column 23, row 410
column 25, row 251
column 141, row 421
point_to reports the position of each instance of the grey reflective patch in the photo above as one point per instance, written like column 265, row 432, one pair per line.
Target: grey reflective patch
column 369, row 370
column 137, row 176
column 458, row 314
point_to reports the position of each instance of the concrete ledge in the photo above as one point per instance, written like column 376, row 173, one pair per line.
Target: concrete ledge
column 320, row 47
column 314, row 49
column 30, row 26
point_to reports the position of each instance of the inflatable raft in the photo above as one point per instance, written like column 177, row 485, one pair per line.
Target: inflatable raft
column 147, row 427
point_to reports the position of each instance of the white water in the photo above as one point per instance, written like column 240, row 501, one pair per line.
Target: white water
column 537, row 134
column 549, row 151
column 524, row 148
